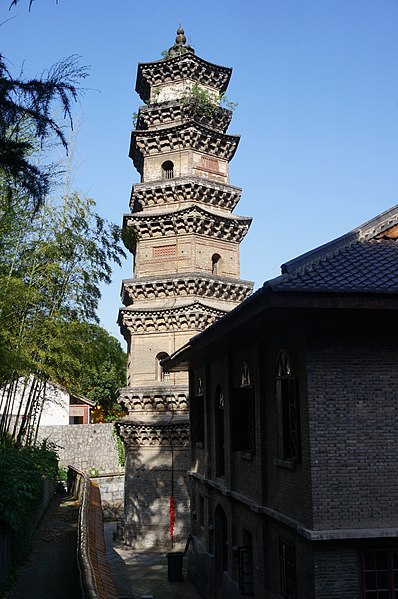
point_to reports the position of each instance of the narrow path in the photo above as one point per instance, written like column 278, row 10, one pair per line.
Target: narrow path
column 140, row 573
column 51, row 570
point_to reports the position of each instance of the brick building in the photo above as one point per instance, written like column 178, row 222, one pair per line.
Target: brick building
column 186, row 275
column 294, row 419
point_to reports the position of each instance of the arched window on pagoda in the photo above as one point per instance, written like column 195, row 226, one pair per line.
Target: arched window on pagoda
column 160, row 374
column 215, row 264
column 168, row 169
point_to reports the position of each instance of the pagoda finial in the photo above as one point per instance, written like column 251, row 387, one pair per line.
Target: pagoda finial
column 180, row 47
column 181, row 40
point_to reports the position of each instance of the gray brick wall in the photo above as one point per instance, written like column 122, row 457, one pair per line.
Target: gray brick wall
column 354, row 421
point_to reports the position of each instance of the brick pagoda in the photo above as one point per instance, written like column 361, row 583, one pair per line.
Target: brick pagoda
column 186, row 275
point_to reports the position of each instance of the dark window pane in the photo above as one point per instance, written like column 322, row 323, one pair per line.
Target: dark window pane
column 370, row 561
column 382, row 581
column 395, row 581
column 381, row 560
column 370, row 581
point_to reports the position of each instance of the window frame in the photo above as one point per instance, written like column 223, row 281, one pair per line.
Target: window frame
column 287, row 583
column 167, row 170
column 242, row 406
column 389, row 551
column 288, row 410
column 219, row 429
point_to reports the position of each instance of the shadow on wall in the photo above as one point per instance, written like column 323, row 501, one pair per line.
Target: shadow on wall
column 154, row 474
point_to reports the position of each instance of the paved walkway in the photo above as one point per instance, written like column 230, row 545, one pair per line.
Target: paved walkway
column 143, row 573
column 51, row 570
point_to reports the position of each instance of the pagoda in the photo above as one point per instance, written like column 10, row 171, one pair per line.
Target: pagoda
column 186, row 276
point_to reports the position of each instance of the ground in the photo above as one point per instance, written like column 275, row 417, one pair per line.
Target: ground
column 51, row 569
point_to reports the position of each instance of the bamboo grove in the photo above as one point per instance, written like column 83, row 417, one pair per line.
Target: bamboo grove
column 55, row 252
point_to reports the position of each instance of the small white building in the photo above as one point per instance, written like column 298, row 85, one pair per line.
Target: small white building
column 57, row 406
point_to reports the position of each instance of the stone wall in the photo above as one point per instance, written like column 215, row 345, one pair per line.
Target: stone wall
column 85, row 446
column 112, row 494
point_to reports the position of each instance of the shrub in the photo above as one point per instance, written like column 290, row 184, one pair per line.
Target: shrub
column 22, row 471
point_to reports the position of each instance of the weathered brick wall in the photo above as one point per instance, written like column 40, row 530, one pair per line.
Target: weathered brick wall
column 352, row 383
column 274, row 533
column 336, row 566
column 84, row 446
column 287, row 489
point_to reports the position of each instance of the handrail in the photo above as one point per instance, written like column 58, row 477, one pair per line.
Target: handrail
column 95, row 577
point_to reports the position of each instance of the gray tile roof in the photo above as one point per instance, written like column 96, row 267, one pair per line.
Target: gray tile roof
column 364, row 260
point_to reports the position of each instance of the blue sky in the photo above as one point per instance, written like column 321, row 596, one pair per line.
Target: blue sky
column 316, row 82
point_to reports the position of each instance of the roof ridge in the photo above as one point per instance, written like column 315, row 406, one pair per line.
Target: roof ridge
column 313, row 257
column 363, row 232
column 378, row 224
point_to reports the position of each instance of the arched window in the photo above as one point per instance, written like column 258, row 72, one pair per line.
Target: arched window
column 219, row 432
column 160, row 374
column 197, row 414
column 288, row 409
column 242, row 413
column 167, row 170
column 245, row 375
column 215, row 264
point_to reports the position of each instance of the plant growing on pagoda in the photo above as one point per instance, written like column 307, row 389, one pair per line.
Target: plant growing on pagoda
column 204, row 103
column 175, row 50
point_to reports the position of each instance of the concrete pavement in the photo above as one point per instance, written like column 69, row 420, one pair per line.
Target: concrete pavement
column 139, row 574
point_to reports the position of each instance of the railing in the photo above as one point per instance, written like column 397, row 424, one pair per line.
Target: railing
column 95, row 577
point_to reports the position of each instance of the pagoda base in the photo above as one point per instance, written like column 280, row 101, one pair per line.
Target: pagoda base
column 156, row 471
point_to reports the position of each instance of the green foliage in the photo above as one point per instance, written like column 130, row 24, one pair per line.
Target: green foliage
column 27, row 106
column 21, row 483
column 226, row 103
column 93, row 471
column 204, row 103
column 92, row 363
column 62, row 474
column 175, row 50
column 129, row 237
column 121, row 452
column 51, row 266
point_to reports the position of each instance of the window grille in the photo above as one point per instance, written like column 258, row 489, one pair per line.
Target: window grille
column 161, row 375
column 379, row 574
column 168, row 169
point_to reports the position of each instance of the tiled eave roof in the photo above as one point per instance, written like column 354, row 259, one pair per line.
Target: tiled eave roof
column 190, row 220
column 362, row 266
column 185, row 189
column 186, row 66
column 357, row 270
column 193, row 317
column 189, row 135
column 162, row 114
column 191, row 284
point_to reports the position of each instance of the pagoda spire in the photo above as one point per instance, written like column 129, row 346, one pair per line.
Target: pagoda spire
column 180, row 45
